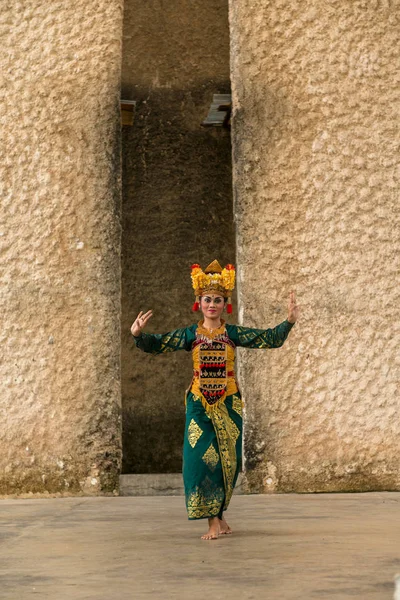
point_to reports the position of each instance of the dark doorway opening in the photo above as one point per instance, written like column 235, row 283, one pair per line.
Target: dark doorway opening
column 177, row 206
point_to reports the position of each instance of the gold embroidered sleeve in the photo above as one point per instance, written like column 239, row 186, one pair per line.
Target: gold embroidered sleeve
column 159, row 343
column 248, row 337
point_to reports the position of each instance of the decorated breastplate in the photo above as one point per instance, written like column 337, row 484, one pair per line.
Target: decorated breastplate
column 212, row 371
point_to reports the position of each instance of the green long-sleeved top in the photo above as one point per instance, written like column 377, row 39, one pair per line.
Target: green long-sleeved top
column 182, row 339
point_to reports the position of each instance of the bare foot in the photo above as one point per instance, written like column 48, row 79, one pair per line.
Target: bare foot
column 213, row 529
column 224, row 528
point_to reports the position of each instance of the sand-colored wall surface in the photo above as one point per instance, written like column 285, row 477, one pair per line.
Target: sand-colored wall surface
column 60, row 246
column 315, row 144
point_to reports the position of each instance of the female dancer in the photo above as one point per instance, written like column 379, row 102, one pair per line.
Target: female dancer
column 212, row 449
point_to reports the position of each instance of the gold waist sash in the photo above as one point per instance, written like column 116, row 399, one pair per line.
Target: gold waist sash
column 231, row 387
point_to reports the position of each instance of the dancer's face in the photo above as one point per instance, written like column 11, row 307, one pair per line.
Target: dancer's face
column 212, row 305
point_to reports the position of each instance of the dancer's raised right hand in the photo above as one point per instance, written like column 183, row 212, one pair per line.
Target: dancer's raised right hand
column 140, row 322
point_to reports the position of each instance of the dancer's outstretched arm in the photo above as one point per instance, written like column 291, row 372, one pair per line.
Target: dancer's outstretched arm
column 248, row 337
column 158, row 343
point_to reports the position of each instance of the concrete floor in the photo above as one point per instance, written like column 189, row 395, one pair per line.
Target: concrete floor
column 291, row 546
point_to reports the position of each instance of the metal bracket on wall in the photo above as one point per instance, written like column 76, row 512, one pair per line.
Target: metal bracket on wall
column 127, row 111
column 219, row 114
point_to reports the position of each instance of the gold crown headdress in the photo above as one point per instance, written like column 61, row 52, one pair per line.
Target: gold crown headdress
column 213, row 279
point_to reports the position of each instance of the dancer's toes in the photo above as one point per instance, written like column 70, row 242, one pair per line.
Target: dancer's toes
column 209, row 536
column 213, row 531
column 224, row 528
column 226, row 532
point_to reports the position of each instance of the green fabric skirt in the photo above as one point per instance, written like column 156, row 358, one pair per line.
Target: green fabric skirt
column 212, row 455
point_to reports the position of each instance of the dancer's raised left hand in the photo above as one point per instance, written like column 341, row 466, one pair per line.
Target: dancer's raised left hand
column 293, row 308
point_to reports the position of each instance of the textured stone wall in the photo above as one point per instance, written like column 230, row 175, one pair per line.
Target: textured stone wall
column 315, row 144
column 60, row 246
column 177, row 206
